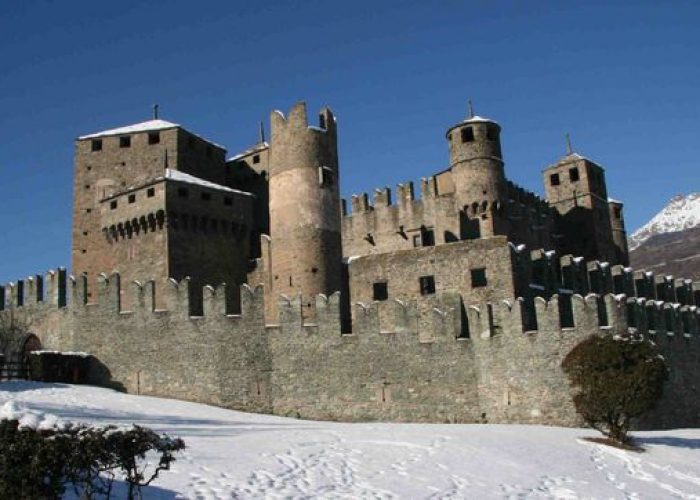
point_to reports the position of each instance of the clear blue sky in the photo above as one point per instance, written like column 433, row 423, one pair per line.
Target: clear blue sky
column 622, row 77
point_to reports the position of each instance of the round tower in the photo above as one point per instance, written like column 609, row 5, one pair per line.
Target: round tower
column 306, row 250
column 476, row 162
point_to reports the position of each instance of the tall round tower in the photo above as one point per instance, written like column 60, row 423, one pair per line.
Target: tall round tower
column 476, row 162
column 306, row 250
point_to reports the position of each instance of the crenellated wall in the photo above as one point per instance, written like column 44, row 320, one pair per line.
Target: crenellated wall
column 436, row 360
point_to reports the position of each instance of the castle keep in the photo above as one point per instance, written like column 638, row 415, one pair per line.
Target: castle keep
column 248, row 283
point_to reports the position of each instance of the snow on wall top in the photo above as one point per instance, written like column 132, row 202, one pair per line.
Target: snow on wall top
column 147, row 126
column 176, row 175
column 682, row 212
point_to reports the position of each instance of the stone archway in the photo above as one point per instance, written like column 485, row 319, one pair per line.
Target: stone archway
column 29, row 344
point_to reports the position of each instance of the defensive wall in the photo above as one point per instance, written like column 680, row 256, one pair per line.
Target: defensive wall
column 440, row 360
column 380, row 224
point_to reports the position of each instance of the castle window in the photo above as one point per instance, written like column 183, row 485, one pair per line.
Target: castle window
column 479, row 277
column 256, row 159
column 492, row 134
column 427, row 237
column 153, row 137
column 96, row 145
column 573, row 174
column 467, row 134
column 427, row 285
column 125, row 141
column 87, row 186
column 325, row 177
column 88, row 210
column 554, row 179
column 182, row 192
column 618, row 212
column 380, row 291
column 151, row 192
column 416, row 240
column 112, row 205
column 206, row 196
column 228, row 201
column 132, row 198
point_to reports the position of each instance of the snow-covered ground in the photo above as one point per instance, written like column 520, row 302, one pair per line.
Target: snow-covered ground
column 239, row 455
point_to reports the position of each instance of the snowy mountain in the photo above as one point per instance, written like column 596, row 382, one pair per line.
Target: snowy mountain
column 682, row 212
column 248, row 456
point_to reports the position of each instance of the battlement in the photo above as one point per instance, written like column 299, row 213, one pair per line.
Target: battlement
column 297, row 120
column 435, row 318
column 545, row 273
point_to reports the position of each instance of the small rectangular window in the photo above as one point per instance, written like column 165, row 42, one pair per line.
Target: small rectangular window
column 96, row 145
column 479, row 277
column 153, row 137
column 416, row 240
column 206, row 196
column 151, row 192
column 182, row 192
column 492, row 134
column 428, row 237
column 125, row 141
column 256, row 159
column 325, row 175
column 427, row 285
column 228, row 201
column 380, row 291
column 132, row 198
column 112, row 205
column 467, row 134
column 618, row 212
column 554, row 179
column 573, row 174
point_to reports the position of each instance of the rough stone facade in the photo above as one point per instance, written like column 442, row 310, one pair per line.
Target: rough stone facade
column 432, row 309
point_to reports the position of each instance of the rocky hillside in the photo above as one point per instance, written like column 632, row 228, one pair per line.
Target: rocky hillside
column 670, row 242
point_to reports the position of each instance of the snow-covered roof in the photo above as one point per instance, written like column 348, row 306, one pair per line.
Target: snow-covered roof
column 479, row 119
column 613, row 200
column 176, row 175
column 258, row 147
column 147, row 126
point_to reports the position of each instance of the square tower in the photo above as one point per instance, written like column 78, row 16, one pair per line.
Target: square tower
column 149, row 202
column 575, row 187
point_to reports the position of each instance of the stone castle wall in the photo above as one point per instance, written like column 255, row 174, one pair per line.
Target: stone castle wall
column 440, row 361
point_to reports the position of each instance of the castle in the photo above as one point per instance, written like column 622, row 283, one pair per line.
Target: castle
column 457, row 306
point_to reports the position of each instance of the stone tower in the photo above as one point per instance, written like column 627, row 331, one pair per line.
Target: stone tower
column 477, row 169
column 575, row 186
column 617, row 223
column 305, row 226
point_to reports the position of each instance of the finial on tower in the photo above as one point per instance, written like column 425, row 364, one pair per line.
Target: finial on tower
column 569, row 149
column 262, row 132
column 471, row 109
column 155, row 111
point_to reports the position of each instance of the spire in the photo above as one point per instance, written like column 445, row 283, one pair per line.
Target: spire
column 262, row 132
column 471, row 109
column 155, row 111
column 569, row 149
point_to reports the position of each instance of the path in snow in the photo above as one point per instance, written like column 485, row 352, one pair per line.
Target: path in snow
column 238, row 455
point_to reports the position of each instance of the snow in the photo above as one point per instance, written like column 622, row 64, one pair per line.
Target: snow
column 65, row 353
column 30, row 419
column 147, row 126
column 259, row 147
column 240, row 455
column 176, row 175
column 682, row 212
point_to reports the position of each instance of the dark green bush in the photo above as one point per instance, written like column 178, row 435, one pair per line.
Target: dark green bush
column 617, row 380
column 44, row 463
